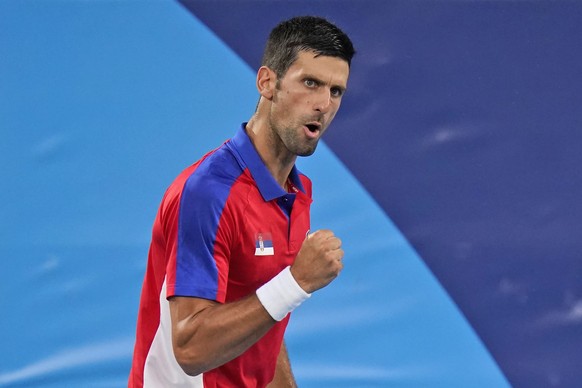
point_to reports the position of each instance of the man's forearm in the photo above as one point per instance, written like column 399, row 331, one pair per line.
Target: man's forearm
column 207, row 334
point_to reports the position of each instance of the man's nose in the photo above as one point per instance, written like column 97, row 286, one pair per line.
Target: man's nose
column 323, row 102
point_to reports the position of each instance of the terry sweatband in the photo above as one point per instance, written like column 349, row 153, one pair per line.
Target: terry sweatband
column 281, row 295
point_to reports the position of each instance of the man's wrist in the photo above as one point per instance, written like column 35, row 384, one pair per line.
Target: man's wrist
column 281, row 295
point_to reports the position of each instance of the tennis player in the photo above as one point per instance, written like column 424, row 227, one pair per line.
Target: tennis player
column 231, row 254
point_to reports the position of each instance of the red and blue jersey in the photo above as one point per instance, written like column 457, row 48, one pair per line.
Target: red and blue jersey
column 224, row 228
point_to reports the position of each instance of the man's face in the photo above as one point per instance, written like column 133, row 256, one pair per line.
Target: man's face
column 306, row 100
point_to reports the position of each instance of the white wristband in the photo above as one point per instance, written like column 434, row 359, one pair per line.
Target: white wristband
column 281, row 294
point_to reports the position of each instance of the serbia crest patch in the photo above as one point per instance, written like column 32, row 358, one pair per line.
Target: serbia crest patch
column 264, row 244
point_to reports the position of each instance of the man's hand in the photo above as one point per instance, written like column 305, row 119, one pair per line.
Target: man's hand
column 319, row 261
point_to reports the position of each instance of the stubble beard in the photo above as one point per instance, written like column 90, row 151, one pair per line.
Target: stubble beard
column 288, row 138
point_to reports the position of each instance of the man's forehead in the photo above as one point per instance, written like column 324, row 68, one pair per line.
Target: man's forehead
column 322, row 65
column 310, row 55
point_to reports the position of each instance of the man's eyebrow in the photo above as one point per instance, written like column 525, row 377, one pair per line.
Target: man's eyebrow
column 321, row 82
column 313, row 78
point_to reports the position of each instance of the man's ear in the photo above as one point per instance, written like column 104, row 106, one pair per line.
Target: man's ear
column 266, row 80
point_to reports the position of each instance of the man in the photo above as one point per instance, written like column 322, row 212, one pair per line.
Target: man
column 231, row 254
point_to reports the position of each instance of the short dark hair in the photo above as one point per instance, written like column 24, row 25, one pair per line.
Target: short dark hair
column 305, row 33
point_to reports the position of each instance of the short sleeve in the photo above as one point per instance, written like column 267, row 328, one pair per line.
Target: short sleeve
column 200, row 241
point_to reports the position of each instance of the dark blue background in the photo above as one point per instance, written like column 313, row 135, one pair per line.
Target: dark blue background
column 464, row 122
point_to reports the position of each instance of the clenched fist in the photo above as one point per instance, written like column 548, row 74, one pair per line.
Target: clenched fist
column 319, row 261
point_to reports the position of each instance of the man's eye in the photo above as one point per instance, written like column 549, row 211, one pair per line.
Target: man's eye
column 336, row 92
column 310, row 83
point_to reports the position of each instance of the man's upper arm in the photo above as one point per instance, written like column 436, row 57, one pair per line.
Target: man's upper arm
column 182, row 309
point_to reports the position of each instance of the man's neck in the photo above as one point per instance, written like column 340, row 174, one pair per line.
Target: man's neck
column 276, row 157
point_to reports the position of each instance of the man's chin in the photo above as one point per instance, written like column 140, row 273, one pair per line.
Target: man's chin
column 307, row 152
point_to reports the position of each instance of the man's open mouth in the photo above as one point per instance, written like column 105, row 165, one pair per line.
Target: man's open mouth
column 313, row 127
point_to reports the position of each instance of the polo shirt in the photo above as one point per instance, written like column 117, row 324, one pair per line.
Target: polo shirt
column 224, row 228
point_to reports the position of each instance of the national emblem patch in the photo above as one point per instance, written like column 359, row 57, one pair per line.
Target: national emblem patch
column 264, row 244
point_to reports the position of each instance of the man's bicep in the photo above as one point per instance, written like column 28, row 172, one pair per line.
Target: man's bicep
column 184, row 307
column 183, row 311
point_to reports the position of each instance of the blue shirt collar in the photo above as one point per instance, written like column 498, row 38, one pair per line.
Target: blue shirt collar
column 248, row 155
